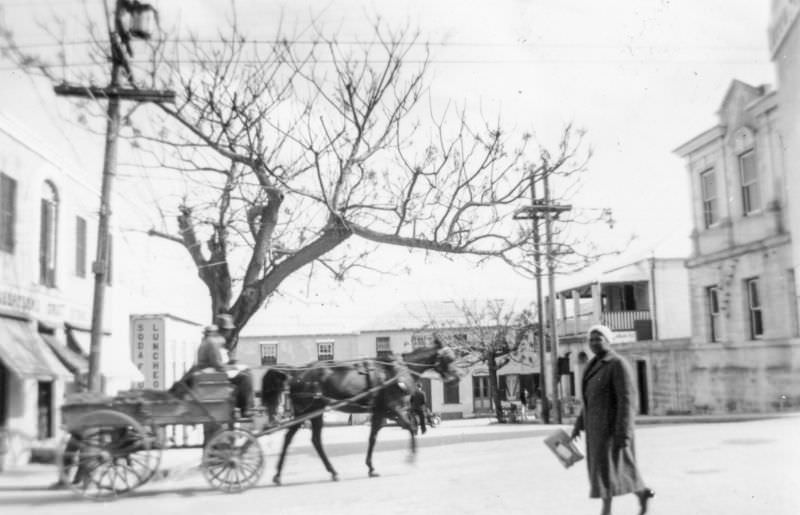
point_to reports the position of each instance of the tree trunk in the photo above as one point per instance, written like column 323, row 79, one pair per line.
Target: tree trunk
column 498, row 408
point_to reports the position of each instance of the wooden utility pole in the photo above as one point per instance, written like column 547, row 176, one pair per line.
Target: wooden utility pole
column 551, row 211
column 537, row 257
column 551, row 306
column 114, row 94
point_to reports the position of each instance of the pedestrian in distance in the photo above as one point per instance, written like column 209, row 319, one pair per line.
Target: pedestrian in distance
column 607, row 419
column 418, row 405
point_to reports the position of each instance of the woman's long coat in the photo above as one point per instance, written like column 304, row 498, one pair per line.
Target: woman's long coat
column 607, row 419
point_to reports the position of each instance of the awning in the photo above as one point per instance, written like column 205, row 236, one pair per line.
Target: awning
column 73, row 361
column 25, row 353
column 113, row 364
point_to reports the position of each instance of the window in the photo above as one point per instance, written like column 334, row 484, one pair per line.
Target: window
column 269, row 353
column 712, row 302
column 754, row 309
column 750, row 195
column 382, row 347
column 419, row 341
column 451, row 393
column 325, row 351
column 8, row 207
column 80, row 247
column 48, row 235
column 708, row 187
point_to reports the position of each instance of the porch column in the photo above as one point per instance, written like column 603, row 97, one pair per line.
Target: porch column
column 576, row 309
column 597, row 304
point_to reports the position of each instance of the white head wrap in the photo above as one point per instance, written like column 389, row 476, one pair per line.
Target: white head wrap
column 604, row 330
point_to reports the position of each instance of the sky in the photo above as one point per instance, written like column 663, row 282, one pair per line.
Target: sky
column 640, row 76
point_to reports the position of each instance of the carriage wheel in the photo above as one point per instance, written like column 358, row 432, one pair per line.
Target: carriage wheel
column 233, row 460
column 110, row 457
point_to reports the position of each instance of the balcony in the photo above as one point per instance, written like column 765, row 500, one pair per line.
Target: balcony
column 624, row 320
column 615, row 320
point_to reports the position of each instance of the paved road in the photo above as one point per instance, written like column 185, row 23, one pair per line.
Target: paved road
column 715, row 468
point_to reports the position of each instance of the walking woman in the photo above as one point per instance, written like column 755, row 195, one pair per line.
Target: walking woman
column 607, row 418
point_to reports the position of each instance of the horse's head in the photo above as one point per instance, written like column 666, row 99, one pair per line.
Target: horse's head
column 439, row 358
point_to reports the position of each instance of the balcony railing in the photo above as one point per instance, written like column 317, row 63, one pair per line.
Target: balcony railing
column 623, row 320
column 615, row 320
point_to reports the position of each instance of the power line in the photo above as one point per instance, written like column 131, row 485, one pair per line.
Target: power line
column 467, row 44
column 640, row 61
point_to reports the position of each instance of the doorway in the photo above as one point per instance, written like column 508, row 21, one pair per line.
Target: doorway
column 641, row 383
column 481, row 397
column 45, row 410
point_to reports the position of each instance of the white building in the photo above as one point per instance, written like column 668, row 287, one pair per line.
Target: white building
column 47, row 227
column 646, row 304
column 394, row 332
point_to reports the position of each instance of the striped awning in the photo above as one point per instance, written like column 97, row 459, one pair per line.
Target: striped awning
column 73, row 361
column 24, row 353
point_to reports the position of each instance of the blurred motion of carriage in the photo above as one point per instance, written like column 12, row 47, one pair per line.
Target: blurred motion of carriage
column 114, row 444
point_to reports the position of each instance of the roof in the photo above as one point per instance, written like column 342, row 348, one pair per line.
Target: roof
column 320, row 319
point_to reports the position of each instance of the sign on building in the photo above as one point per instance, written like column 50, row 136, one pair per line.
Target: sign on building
column 148, row 351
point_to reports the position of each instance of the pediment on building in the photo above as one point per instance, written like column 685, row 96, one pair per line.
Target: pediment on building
column 733, row 110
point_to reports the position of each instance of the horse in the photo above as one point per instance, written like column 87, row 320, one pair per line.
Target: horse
column 379, row 387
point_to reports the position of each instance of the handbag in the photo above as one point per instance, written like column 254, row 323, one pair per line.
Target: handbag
column 564, row 448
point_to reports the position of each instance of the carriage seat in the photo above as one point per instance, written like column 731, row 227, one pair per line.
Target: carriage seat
column 208, row 384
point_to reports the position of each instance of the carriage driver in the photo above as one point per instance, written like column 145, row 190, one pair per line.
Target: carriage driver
column 212, row 354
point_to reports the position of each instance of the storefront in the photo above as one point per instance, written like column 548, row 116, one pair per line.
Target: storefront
column 32, row 381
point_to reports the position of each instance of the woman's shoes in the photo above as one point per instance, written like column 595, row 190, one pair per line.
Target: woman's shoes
column 644, row 499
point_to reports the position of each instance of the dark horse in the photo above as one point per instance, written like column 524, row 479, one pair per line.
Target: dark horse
column 381, row 388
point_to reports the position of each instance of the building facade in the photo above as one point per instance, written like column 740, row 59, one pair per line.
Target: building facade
column 389, row 336
column 646, row 304
column 46, row 242
column 744, row 353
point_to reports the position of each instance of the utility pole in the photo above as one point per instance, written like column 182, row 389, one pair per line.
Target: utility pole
column 119, row 35
column 550, row 211
column 537, row 257
column 551, row 279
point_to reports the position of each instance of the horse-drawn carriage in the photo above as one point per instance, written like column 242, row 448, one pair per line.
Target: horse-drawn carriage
column 114, row 445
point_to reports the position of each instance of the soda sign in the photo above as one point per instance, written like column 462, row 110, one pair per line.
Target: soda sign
column 147, row 351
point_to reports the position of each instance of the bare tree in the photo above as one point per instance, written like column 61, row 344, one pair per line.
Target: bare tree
column 492, row 333
column 289, row 148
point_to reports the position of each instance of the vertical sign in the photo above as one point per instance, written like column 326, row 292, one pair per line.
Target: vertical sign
column 148, row 350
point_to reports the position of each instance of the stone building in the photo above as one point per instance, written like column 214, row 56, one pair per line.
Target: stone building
column 744, row 353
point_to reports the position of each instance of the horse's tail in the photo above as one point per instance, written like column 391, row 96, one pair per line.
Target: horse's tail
column 272, row 385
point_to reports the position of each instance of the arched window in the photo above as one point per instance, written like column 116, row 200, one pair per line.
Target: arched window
column 48, row 235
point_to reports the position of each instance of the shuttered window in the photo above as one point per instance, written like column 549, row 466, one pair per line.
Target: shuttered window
column 8, row 208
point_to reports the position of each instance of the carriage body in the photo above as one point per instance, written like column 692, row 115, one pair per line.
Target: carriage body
column 113, row 444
